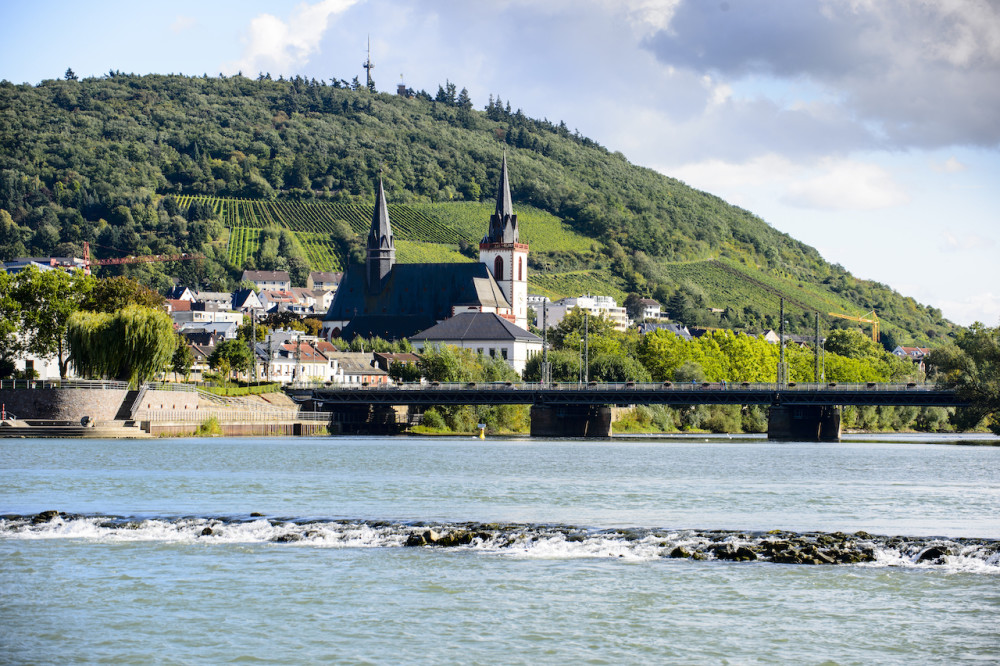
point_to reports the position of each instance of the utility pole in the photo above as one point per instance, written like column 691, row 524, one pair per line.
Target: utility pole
column 546, row 372
column 782, row 367
column 298, row 359
column 816, row 349
column 586, row 347
column 253, row 343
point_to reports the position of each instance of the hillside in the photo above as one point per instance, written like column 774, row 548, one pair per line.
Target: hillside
column 280, row 173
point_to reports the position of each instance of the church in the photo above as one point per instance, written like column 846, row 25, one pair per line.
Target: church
column 392, row 301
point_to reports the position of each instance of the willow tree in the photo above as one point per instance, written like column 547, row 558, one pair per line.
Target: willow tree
column 131, row 345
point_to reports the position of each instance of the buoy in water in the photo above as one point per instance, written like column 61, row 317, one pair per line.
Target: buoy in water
column 482, row 431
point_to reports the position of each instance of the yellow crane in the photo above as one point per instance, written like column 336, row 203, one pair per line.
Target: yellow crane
column 870, row 318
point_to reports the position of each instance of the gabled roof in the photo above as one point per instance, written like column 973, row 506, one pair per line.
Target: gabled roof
column 387, row 327
column 305, row 352
column 177, row 305
column 677, row 329
column 178, row 292
column 266, row 276
column 356, row 363
column 323, row 276
column 475, row 326
column 241, row 296
column 414, row 297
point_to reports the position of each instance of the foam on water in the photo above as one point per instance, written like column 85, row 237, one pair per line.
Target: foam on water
column 529, row 541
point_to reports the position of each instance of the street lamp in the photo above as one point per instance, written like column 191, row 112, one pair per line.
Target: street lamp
column 581, row 360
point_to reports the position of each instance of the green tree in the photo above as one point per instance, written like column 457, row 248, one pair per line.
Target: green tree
column 133, row 344
column 11, row 244
column 404, row 372
column 10, row 317
column 116, row 293
column 617, row 368
column 47, row 301
column 230, row 356
column 971, row 366
column 182, row 360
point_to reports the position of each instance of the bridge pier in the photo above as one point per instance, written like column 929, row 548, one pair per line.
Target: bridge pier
column 365, row 419
column 803, row 423
column 571, row 421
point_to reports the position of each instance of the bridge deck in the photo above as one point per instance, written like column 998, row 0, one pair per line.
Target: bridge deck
column 636, row 394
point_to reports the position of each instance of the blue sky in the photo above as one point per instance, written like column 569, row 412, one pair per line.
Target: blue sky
column 865, row 128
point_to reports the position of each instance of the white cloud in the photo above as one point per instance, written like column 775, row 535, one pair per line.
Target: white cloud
column 951, row 165
column 182, row 23
column 967, row 308
column 280, row 46
column 966, row 242
column 847, row 185
column 721, row 176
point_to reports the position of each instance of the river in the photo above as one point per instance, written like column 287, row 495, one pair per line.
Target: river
column 535, row 551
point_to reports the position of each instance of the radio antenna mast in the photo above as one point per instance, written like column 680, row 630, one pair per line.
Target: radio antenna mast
column 369, row 65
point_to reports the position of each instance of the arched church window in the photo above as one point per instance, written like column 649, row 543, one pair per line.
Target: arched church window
column 498, row 268
column 520, row 268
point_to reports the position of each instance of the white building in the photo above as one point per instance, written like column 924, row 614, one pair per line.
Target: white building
column 276, row 280
column 486, row 333
column 596, row 306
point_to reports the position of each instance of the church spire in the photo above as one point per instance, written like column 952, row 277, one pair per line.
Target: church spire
column 504, row 206
column 503, row 222
column 381, row 246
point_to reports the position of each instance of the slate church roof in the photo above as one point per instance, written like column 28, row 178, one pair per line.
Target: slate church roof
column 415, row 297
column 389, row 300
column 475, row 326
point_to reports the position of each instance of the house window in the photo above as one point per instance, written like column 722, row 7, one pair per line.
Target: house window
column 503, row 352
column 493, row 352
column 520, row 268
column 479, row 351
column 498, row 268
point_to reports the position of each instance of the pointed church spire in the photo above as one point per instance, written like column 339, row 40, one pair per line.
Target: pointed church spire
column 381, row 246
column 381, row 232
column 503, row 222
column 504, row 206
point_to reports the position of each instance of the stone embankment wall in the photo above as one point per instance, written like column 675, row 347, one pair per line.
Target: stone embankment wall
column 172, row 400
column 63, row 404
column 239, row 429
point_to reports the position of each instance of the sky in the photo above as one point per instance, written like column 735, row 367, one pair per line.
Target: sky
column 866, row 128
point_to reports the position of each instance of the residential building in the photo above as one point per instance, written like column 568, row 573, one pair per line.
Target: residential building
column 246, row 300
column 485, row 333
column 651, row 309
column 274, row 280
column 319, row 280
column 597, row 306
column 680, row 330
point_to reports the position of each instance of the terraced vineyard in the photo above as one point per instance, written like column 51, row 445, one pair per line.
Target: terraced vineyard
column 242, row 244
column 728, row 285
column 408, row 223
column 417, row 252
column 323, row 254
column 576, row 283
column 543, row 231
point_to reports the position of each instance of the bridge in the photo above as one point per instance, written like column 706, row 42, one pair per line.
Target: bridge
column 798, row 411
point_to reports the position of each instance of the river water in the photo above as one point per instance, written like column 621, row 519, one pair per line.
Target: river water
column 620, row 551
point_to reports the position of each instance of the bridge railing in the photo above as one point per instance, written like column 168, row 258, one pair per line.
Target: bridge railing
column 13, row 384
column 635, row 386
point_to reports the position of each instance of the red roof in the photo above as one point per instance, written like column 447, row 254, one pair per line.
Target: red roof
column 177, row 305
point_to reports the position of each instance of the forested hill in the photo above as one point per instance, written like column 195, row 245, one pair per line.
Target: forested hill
column 107, row 160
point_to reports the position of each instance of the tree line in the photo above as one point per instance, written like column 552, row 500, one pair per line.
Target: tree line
column 77, row 151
